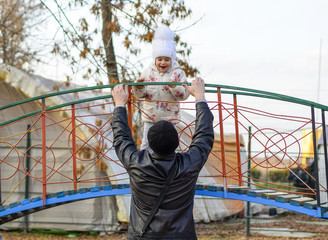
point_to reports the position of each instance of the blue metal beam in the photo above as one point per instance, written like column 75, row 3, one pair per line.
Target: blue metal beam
column 28, row 206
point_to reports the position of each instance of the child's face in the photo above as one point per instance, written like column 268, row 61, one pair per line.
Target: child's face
column 163, row 64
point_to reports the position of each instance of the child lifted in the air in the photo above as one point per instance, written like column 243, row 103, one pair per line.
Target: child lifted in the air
column 161, row 101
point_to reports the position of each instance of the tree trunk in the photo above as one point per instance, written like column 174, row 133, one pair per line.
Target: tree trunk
column 4, row 47
column 108, row 42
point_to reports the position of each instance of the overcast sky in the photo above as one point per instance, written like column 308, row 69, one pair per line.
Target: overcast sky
column 271, row 45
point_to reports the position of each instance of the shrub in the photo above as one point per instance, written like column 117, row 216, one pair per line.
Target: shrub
column 255, row 173
column 279, row 175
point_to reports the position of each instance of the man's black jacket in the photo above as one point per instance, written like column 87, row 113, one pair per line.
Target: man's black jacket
column 174, row 218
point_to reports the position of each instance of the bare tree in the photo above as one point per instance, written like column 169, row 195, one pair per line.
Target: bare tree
column 15, row 26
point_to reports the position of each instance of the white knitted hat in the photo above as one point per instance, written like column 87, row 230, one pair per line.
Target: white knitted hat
column 163, row 43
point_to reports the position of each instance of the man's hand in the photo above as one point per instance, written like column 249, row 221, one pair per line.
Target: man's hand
column 140, row 80
column 197, row 88
column 120, row 95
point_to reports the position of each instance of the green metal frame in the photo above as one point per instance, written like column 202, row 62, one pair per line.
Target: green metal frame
column 238, row 91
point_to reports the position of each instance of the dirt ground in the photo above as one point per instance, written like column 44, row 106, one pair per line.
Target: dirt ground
column 226, row 229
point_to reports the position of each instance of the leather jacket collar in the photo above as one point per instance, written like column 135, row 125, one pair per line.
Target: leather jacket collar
column 168, row 157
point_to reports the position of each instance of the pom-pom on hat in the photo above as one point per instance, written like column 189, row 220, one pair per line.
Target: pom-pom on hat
column 163, row 43
column 163, row 138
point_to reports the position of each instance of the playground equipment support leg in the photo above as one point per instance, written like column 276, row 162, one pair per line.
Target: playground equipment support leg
column 315, row 156
column 222, row 140
column 27, row 166
column 130, row 111
column 44, row 145
column 325, row 144
column 237, row 139
column 74, row 146
column 248, row 217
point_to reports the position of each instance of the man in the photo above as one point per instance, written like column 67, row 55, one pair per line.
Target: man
column 148, row 172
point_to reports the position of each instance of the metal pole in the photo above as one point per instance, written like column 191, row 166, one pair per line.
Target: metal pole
column 248, row 217
column 27, row 167
column 0, row 184
column 237, row 139
column 315, row 157
column 44, row 145
column 222, row 140
column 319, row 71
column 130, row 111
column 324, row 134
column 74, row 147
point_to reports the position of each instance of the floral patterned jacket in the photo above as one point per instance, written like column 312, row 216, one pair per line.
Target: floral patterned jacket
column 161, row 101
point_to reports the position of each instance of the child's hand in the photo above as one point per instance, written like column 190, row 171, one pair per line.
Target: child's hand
column 140, row 80
column 172, row 86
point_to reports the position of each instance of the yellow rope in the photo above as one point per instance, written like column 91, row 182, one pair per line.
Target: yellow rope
column 13, row 147
column 13, row 190
column 137, row 122
column 18, row 134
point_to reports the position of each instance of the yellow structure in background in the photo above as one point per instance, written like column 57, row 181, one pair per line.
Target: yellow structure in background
column 307, row 145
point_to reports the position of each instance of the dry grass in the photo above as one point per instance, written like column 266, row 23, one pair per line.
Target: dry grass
column 235, row 229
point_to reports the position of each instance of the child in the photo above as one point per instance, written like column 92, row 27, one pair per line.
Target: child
column 161, row 100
